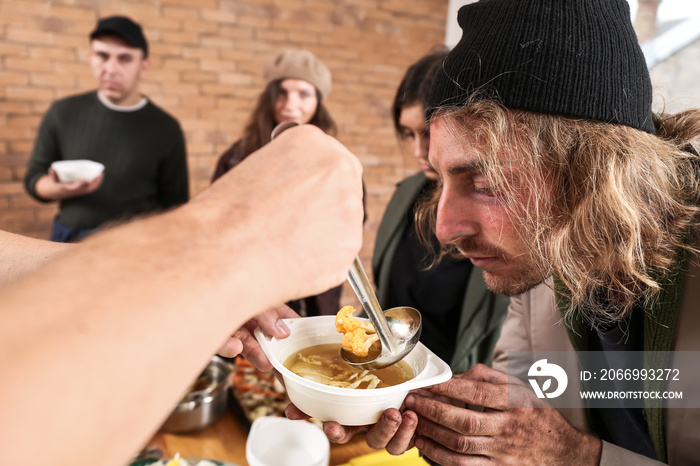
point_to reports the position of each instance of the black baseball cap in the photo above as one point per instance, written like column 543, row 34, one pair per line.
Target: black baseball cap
column 123, row 27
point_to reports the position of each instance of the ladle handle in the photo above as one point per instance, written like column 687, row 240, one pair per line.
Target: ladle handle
column 360, row 284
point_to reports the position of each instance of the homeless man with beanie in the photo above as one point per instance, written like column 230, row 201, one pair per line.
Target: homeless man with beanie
column 141, row 146
column 577, row 201
column 296, row 83
column 461, row 318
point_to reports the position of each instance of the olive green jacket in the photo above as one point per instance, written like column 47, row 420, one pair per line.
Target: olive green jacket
column 483, row 312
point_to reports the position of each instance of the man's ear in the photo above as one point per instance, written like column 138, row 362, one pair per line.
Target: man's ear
column 145, row 66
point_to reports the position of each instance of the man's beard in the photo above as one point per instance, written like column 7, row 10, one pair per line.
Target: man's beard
column 524, row 281
column 525, row 276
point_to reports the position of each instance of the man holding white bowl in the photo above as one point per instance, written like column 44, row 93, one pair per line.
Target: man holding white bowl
column 141, row 147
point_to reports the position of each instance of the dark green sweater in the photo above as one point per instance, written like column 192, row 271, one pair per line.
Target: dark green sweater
column 143, row 152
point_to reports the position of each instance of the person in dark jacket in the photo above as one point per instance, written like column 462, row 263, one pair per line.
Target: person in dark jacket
column 141, row 147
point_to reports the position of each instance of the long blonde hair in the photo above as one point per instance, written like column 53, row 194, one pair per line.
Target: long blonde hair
column 608, row 208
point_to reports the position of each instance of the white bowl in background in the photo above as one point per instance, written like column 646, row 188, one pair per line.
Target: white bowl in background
column 77, row 170
column 347, row 406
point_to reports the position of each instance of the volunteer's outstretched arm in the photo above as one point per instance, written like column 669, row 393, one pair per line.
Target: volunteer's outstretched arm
column 97, row 347
column 20, row 255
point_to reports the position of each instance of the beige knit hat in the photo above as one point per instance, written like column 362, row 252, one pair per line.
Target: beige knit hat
column 299, row 64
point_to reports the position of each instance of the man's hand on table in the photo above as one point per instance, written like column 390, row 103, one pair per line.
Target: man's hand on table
column 243, row 341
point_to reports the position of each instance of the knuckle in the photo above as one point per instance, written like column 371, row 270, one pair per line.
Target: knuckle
column 463, row 445
column 478, row 394
column 432, row 410
column 469, row 424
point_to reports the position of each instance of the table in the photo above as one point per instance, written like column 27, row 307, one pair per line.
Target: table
column 225, row 441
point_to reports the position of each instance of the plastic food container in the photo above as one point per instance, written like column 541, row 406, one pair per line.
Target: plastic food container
column 350, row 407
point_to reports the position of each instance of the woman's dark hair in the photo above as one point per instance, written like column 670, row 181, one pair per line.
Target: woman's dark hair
column 257, row 132
column 416, row 83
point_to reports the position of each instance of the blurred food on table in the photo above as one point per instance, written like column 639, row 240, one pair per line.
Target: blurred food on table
column 255, row 393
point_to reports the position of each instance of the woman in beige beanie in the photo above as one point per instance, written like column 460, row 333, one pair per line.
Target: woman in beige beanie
column 296, row 82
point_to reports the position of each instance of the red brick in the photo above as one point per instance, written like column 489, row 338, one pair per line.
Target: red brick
column 5, row 174
column 235, row 78
column 219, row 16
column 44, row 214
column 34, row 37
column 11, row 188
column 57, row 53
column 218, row 89
column 23, row 121
column 238, row 33
column 46, row 80
column 217, row 42
column 195, row 3
column 182, row 89
column 27, row 64
column 217, row 65
column 72, row 12
column 273, row 36
column 198, row 52
column 26, row 7
column 13, row 78
column 180, row 37
column 78, row 40
column 81, row 69
column 198, row 77
column 172, row 64
column 180, row 12
column 22, row 201
column 29, row 93
column 19, row 50
column 21, row 146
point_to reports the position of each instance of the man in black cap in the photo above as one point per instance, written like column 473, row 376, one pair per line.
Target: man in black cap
column 141, row 147
column 581, row 204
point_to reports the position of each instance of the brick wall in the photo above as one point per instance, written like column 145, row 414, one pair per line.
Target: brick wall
column 207, row 57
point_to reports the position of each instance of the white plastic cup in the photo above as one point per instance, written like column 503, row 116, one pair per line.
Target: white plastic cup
column 277, row 441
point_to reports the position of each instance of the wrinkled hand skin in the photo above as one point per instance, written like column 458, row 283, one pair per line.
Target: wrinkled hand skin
column 450, row 434
column 532, row 434
column 243, row 340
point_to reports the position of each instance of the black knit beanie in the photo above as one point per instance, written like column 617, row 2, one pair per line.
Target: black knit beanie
column 578, row 58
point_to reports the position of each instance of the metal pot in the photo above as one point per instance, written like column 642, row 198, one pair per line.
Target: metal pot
column 205, row 401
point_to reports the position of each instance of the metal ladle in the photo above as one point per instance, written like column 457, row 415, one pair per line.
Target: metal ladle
column 398, row 328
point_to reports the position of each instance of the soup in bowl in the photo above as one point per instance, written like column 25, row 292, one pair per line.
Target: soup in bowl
column 347, row 406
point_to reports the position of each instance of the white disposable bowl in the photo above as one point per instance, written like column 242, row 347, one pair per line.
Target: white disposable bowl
column 349, row 407
column 77, row 170
column 276, row 441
